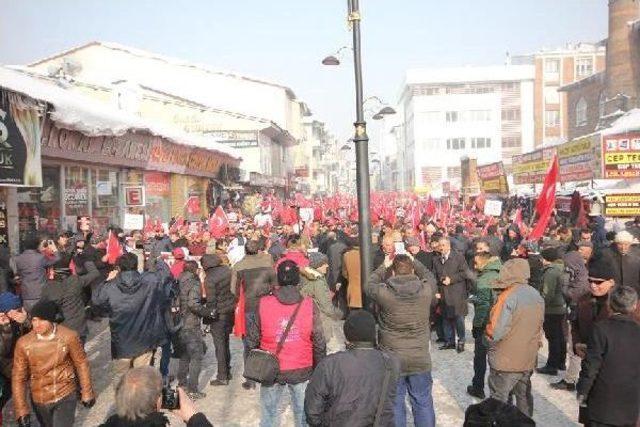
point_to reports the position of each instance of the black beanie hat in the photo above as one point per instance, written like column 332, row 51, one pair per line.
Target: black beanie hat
column 288, row 273
column 47, row 310
column 550, row 254
column 599, row 268
column 360, row 326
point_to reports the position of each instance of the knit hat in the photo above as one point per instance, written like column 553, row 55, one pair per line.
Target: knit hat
column 513, row 272
column 360, row 326
column 599, row 268
column 46, row 310
column 624, row 237
column 317, row 260
column 412, row 241
column 9, row 301
column 550, row 254
column 288, row 273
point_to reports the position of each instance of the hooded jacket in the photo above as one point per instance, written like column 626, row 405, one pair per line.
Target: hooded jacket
column 484, row 293
column 553, row 282
column 404, row 303
column 135, row 304
column 217, row 285
column 191, row 305
column 258, row 275
column 578, row 284
column 314, row 285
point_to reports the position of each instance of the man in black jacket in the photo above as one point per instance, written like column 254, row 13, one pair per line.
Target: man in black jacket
column 608, row 383
column 135, row 304
column 217, row 284
column 346, row 388
column 626, row 264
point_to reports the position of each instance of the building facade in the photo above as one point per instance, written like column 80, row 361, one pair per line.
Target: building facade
column 555, row 68
column 596, row 101
column 486, row 113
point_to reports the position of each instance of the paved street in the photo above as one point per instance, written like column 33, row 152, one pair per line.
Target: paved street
column 233, row 406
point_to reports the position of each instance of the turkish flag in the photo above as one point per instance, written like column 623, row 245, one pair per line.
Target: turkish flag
column 193, row 205
column 547, row 200
column 114, row 250
column 218, row 223
column 240, row 321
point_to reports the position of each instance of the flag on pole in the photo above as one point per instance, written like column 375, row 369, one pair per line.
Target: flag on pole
column 114, row 250
column 218, row 223
column 547, row 200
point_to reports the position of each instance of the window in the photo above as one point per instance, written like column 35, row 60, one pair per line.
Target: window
column 453, row 172
column 581, row 112
column 452, row 116
column 430, row 91
column 480, row 142
column 481, row 115
column 509, row 86
column 551, row 119
column 430, row 116
column 430, row 144
column 511, row 142
column 602, row 103
column 552, row 65
column 551, row 95
column 456, row 144
column 512, row 114
column 584, row 67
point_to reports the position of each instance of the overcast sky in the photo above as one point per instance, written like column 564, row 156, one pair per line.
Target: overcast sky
column 285, row 40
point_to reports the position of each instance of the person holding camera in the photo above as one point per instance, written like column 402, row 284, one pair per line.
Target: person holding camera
column 51, row 359
column 140, row 397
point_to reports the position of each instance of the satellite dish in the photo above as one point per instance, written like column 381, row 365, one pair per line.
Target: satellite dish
column 71, row 67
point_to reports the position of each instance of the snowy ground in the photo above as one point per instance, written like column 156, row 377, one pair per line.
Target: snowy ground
column 233, row 406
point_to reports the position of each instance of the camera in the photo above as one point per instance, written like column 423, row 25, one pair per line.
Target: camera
column 170, row 398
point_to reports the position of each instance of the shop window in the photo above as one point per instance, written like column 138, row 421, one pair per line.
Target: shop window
column 76, row 192
column 157, row 195
column 104, row 186
column 39, row 208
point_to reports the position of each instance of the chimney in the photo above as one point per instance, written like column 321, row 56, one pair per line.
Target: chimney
column 623, row 56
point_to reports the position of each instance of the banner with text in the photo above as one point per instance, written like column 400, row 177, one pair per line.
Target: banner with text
column 623, row 204
column 621, row 156
column 493, row 179
column 531, row 168
column 579, row 159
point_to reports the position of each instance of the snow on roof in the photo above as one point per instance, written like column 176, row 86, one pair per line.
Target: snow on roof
column 169, row 60
column 470, row 74
column 630, row 121
column 91, row 118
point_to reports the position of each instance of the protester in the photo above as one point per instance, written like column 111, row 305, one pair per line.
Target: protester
column 609, row 383
column 625, row 263
column 404, row 302
column 514, row 333
column 355, row 387
column 49, row 359
column 351, row 273
column 13, row 324
column 138, row 399
column 217, row 284
column 299, row 353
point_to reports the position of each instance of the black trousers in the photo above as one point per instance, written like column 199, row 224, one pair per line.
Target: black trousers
column 190, row 363
column 220, row 331
column 554, row 330
column 58, row 414
column 479, row 359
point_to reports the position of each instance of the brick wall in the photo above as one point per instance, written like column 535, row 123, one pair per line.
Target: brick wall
column 590, row 89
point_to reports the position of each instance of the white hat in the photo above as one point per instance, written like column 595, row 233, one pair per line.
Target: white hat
column 624, row 237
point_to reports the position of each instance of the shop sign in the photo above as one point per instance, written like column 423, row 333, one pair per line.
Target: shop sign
column 623, row 204
column 4, row 228
column 134, row 196
column 157, row 184
column 133, row 222
column 76, row 197
column 578, row 159
column 531, row 168
column 621, row 156
column 563, row 204
column 104, row 188
column 493, row 179
column 20, row 161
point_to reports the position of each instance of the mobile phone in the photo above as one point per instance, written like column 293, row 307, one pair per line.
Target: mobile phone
column 170, row 398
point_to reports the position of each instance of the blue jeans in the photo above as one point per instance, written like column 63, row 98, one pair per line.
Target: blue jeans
column 449, row 332
column 419, row 388
column 165, row 359
column 270, row 403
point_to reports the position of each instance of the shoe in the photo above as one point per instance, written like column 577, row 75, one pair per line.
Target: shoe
column 196, row 395
column 248, row 385
column 460, row 347
column 216, row 383
column 547, row 370
column 447, row 347
column 563, row 385
column 440, row 340
column 475, row 392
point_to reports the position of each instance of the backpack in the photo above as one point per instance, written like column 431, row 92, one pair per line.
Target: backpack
column 492, row 412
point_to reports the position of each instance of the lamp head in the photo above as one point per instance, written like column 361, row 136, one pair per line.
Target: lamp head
column 330, row 60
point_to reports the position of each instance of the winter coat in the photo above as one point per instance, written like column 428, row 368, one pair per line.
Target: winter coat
column 404, row 303
column 599, row 235
column 135, row 304
column 155, row 419
column 454, row 295
column 578, row 282
column 484, row 293
column 191, row 306
column 536, row 268
column 589, row 310
column 157, row 246
column 69, row 295
column 626, row 267
column 515, row 329
column 258, row 275
column 346, row 387
column 217, row 284
column 288, row 296
column 9, row 335
column 610, row 375
column 334, row 253
column 351, row 272
column 553, row 281
column 460, row 244
column 314, row 285
column 32, row 266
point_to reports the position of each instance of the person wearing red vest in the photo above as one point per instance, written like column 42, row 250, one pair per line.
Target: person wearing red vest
column 303, row 348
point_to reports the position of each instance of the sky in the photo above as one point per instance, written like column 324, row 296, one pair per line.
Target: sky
column 285, row 40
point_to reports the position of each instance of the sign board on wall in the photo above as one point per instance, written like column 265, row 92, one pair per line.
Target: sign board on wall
column 622, row 205
column 133, row 222
column 4, row 228
column 493, row 207
column 579, row 159
column 621, row 156
column 134, row 196
column 531, row 168
column 493, row 179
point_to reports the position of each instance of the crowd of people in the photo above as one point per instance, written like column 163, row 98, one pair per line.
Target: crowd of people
column 283, row 287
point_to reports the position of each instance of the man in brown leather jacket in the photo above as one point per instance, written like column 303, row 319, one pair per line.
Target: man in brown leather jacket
column 50, row 357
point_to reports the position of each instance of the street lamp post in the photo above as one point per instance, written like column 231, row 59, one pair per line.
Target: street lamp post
column 361, row 141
